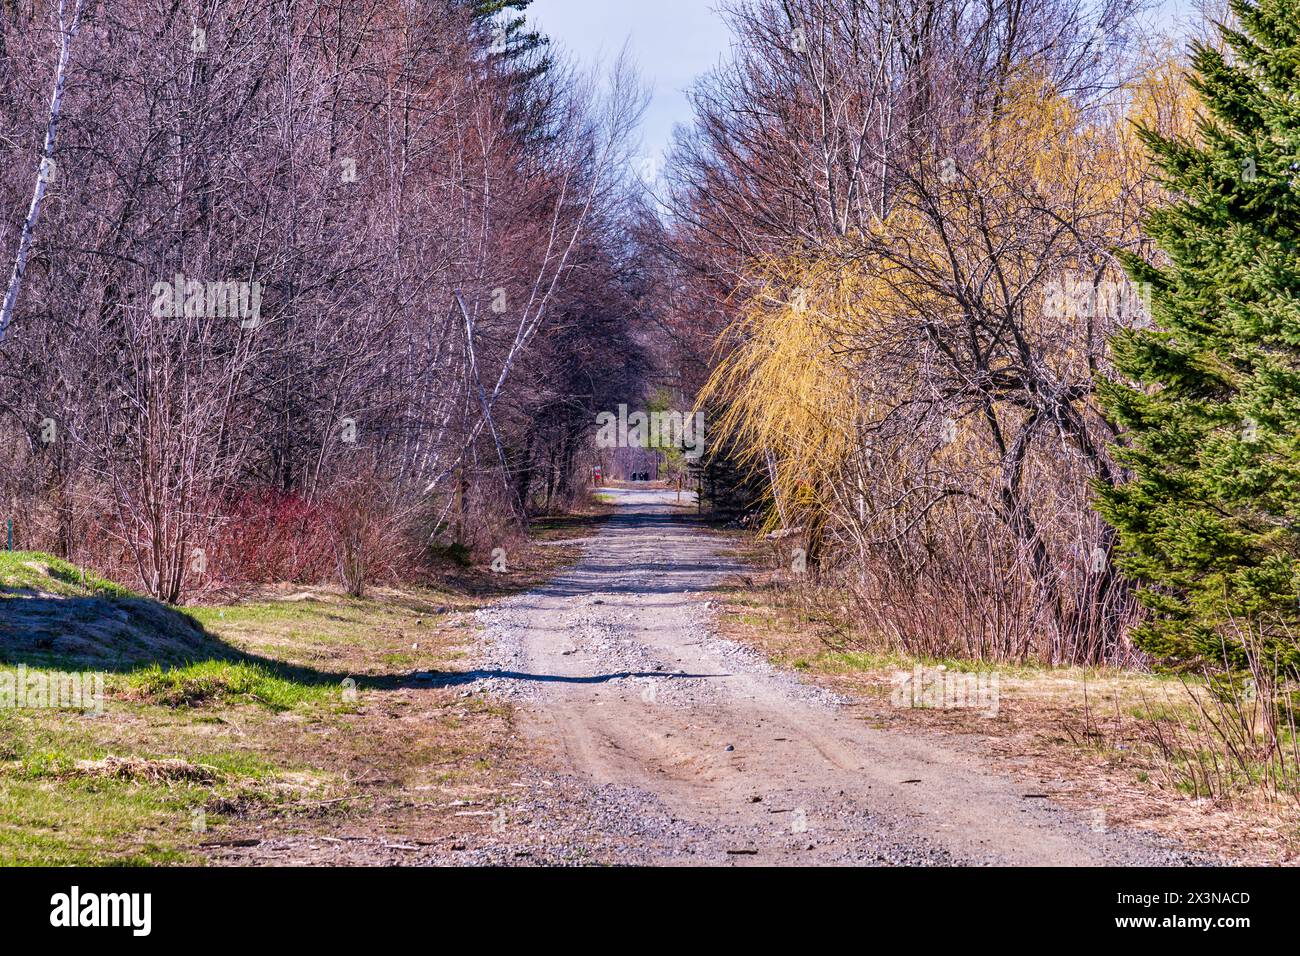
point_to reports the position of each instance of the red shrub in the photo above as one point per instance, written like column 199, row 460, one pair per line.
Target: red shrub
column 270, row 536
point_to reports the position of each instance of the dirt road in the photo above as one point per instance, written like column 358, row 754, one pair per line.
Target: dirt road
column 695, row 750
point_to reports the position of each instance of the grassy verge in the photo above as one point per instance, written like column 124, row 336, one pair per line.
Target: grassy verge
column 32, row 571
column 1132, row 749
column 302, row 719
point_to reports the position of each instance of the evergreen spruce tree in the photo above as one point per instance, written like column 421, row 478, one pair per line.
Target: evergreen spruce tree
column 526, row 56
column 1209, row 397
column 520, row 40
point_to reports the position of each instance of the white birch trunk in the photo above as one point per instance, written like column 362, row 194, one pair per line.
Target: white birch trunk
column 44, row 170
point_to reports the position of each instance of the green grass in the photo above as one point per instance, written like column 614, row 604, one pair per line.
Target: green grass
column 54, row 813
column 51, row 816
column 1181, row 713
column 308, row 611
column 263, row 670
column 25, row 570
column 220, row 678
column 220, row 682
column 846, row 662
column 307, row 618
column 314, row 620
column 93, row 822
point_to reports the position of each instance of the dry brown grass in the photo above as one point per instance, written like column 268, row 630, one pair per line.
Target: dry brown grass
column 168, row 770
column 1086, row 735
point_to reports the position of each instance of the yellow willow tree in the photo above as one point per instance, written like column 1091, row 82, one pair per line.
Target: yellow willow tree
column 1161, row 98
column 921, row 393
column 1003, row 252
column 789, row 395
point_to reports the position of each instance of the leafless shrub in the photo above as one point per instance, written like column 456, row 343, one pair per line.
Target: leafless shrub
column 1232, row 729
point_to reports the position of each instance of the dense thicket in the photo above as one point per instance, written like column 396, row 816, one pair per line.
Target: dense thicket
column 418, row 202
column 901, row 222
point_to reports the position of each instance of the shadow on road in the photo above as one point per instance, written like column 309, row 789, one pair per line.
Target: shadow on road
column 468, row 677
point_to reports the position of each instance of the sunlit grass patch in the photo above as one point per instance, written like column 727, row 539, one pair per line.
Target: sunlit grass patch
column 86, row 821
column 67, row 800
column 37, row 571
column 308, row 617
column 218, row 682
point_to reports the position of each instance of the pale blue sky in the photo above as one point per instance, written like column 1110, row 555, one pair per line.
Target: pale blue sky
column 672, row 42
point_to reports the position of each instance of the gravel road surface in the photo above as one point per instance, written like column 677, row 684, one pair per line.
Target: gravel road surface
column 669, row 744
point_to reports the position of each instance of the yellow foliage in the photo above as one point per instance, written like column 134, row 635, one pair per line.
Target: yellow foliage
column 1162, row 99
column 796, row 385
column 786, row 387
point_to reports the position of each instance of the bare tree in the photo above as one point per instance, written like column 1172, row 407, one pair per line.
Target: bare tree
column 46, row 167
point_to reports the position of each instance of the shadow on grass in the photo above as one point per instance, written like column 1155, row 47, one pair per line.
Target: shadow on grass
column 129, row 636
